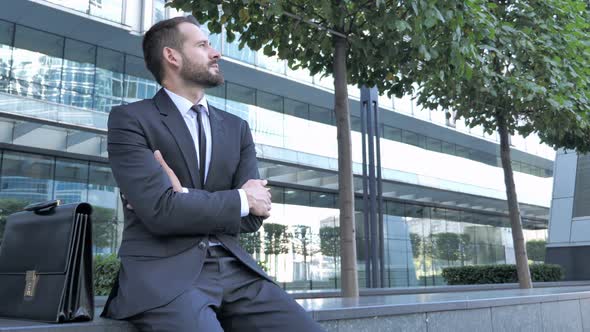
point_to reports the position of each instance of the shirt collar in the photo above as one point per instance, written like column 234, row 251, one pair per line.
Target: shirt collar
column 184, row 105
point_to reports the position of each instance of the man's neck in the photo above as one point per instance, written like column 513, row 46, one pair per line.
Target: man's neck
column 194, row 94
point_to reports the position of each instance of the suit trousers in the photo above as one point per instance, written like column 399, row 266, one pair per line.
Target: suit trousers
column 228, row 296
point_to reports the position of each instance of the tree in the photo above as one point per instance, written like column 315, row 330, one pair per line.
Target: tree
column 330, row 244
column 104, row 228
column 304, row 244
column 536, row 250
column 251, row 242
column 451, row 247
column 516, row 67
column 368, row 43
column 416, row 242
column 276, row 240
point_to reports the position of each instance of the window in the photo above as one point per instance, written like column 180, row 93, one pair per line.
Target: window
column 159, row 11
column 582, row 190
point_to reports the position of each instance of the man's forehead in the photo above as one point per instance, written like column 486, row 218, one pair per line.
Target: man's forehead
column 192, row 32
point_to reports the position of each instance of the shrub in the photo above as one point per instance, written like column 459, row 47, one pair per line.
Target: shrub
column 498, row 274
column 106, row 268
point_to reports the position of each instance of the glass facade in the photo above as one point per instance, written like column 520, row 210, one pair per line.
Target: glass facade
column 53, row 68
column 299, row 243
column 27, row 178
column 70, row 72
column 111, row 10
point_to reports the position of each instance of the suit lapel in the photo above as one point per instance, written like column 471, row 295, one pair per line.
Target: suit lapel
column 217, row 140
column 172, row 119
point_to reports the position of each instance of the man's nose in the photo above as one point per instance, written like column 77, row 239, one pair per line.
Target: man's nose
column 215, row 54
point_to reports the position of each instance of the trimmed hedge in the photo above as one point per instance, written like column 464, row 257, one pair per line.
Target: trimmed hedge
column 498, row 274
column 106, row 268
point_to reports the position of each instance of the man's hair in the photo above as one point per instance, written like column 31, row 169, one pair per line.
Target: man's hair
column 163, row 34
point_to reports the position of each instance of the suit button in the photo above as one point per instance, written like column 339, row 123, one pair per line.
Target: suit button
column 202, row 245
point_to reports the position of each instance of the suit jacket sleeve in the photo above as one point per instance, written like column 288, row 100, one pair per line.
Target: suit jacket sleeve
column 148, row 189
column 247, row 169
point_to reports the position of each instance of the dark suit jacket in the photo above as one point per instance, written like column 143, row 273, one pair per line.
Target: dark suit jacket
column 165, row 235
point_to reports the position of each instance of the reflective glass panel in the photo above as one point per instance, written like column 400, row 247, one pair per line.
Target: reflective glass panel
column 71, row 178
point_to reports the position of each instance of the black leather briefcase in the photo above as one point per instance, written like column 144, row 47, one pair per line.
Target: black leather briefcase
column 46, row 263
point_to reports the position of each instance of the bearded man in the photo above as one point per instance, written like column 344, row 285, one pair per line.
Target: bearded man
column 190, row 184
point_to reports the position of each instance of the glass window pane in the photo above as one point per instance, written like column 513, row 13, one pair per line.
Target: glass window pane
column 391, row 133
column 218, row 91
column 6, row 34
column 433, row 144
column 582, row 188
column 448, row 148
column 410, row 138
column 321, row 114
column 109, row 79
column 269, row 101
column 241, row 94
column 159, row 11
column 355, row 123
column 37, row 64
column 325, row 200
column 297, row 197
column 26, row 177
column 71, row 178
column 78, row 73
column 139, row 82
column 277, row 194
column 103, row 194
column 395, row 209
column 39, row 41
column 296, row 108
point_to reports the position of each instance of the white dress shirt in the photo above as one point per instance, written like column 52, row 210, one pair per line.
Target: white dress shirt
column 190, row 118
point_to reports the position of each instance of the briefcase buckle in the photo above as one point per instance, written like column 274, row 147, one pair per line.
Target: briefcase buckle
column 31, row 279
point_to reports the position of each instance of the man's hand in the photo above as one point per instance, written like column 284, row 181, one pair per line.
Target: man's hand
column 176, row 186
column 258, row 197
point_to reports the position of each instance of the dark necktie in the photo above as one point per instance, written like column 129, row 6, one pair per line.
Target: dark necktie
column 199, row 109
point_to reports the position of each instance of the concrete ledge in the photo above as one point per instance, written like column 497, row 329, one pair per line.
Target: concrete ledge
column 539, row 309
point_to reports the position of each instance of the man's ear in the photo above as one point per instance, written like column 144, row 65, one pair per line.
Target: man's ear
column 171, row 57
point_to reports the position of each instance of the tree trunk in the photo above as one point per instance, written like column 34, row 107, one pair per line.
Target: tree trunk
column 522, row 264
column 348, row 266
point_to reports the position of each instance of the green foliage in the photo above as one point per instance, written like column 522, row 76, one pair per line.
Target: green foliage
column 498, row 274
column 250, row 242
column 536, row 250
column 276, row 239
column 386, row 39
column 521, row 64
column 304, row 241
column 452, row 247
column 9, row 206
column 263, row 265
column 106, row 268
column 330, row 241
column 104, row 227
column 417, row 243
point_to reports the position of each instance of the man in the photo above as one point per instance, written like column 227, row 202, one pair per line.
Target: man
column 189, row 177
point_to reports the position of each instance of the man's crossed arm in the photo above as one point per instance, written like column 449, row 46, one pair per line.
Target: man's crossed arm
column 258, row 195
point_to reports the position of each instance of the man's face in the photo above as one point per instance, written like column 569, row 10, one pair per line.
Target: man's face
column 199, row 60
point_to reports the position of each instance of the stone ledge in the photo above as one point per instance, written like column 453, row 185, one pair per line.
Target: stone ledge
column 558, row 308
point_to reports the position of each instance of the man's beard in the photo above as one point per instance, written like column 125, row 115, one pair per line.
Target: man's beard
column 199, row 74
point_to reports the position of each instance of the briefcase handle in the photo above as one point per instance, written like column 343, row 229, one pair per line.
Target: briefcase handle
column 38, row 207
